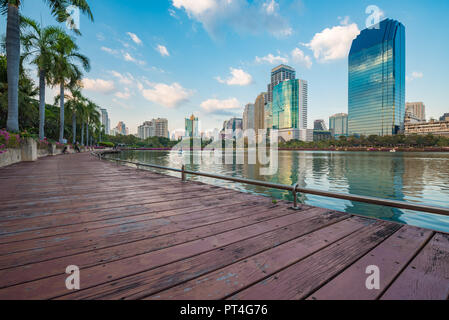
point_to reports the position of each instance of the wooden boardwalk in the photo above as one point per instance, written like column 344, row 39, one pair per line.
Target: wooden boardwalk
column 135, row 234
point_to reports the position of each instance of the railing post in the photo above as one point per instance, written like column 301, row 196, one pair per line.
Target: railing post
column 295, row 198
column 183, row 173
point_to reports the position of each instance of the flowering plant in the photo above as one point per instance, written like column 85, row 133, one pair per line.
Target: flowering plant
column 8, row 140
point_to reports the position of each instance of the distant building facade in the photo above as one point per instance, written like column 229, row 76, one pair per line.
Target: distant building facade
column 416, row 110
column 259, row 112
column 412, row 118
column 154, row 128
column 279, row 74
column 322, row 135
column 319, row 125
column 105, row 121
column 249, row 117
column 232, row 128
column 289, row 108
column 445, row 117
column 121, row 129
column 376, row 101
column 437, row 128
column 191, row 126
column 338, row 124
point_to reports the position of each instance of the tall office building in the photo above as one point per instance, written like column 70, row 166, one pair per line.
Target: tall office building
column 161, row 128
column 232, row 128
column 377, row 80
column 105, row 122
column 154, row 128
column 248, row 117
column 289, row 108
column 416, row 110
column 146, row 130
column 319, row 125
column 444, row 117
column 279, row 74
column 192, row 127
column 259, row 112
column 121, row 128
column 338, row 124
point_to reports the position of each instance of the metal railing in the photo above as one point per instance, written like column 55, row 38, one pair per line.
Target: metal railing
column 295, row 189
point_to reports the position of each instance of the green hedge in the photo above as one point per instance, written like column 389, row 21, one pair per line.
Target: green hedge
column 106, row 144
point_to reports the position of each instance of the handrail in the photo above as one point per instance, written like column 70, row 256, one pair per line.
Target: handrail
column 296, row 188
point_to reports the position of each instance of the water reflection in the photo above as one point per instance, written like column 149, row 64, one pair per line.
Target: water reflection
column 412, row 177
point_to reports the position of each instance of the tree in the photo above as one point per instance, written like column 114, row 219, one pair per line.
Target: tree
column 92, row 119
column 75, row 104
column 11, row 9
column 27, row 90
column 39, row 45
column 66, row 71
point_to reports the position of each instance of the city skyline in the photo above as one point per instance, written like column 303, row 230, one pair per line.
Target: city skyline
column 135, row 65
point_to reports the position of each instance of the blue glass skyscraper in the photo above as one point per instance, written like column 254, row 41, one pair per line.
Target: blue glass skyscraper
column 377, row 80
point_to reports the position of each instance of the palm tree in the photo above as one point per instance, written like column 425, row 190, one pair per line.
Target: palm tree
column 39, row 44
column 92, row 119
column 66, row 71
column 11, row 9
column 75, row 105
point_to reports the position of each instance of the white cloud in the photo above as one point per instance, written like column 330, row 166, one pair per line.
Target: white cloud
column 195, row 7
column 333, row 43
column 272, row 59
column 100, row 36
column 415, row 75
column 163, row 51
column 98, row 85
column 126, row 79
column 238, row 78
column 166, row 95
column 298, row 56
column 224, row 107
column 241, row 15
column 134, row 38
column 123, row 95
column 127, row 56
column 109, row 50
column 270, row 7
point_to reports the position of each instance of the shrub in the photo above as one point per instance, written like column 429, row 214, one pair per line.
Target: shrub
column 43, row 144
column 8, row 141
column 106, row 144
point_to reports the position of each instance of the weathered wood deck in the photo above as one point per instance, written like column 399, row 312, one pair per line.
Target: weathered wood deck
column 141, row 235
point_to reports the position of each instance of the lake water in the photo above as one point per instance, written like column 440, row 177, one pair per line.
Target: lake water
column 412, row 177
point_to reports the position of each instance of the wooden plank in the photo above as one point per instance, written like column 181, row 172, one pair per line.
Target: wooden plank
column 226, row 281
column 221, row 202
column 123, row 235
column 40, row 270
column 427, row 276
column 54, row 286
column 127, row 210
column 301, row 279
column 145, row 283
column 168, row 194
column 391, row 257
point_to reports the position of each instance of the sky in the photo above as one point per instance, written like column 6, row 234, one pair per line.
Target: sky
column 172, row 58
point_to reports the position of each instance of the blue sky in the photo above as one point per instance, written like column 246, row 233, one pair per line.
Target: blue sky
column 210, row 57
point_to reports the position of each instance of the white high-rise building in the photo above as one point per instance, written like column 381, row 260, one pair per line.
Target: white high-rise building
column 248, row 117
column 105, row 121
column 154, row 128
